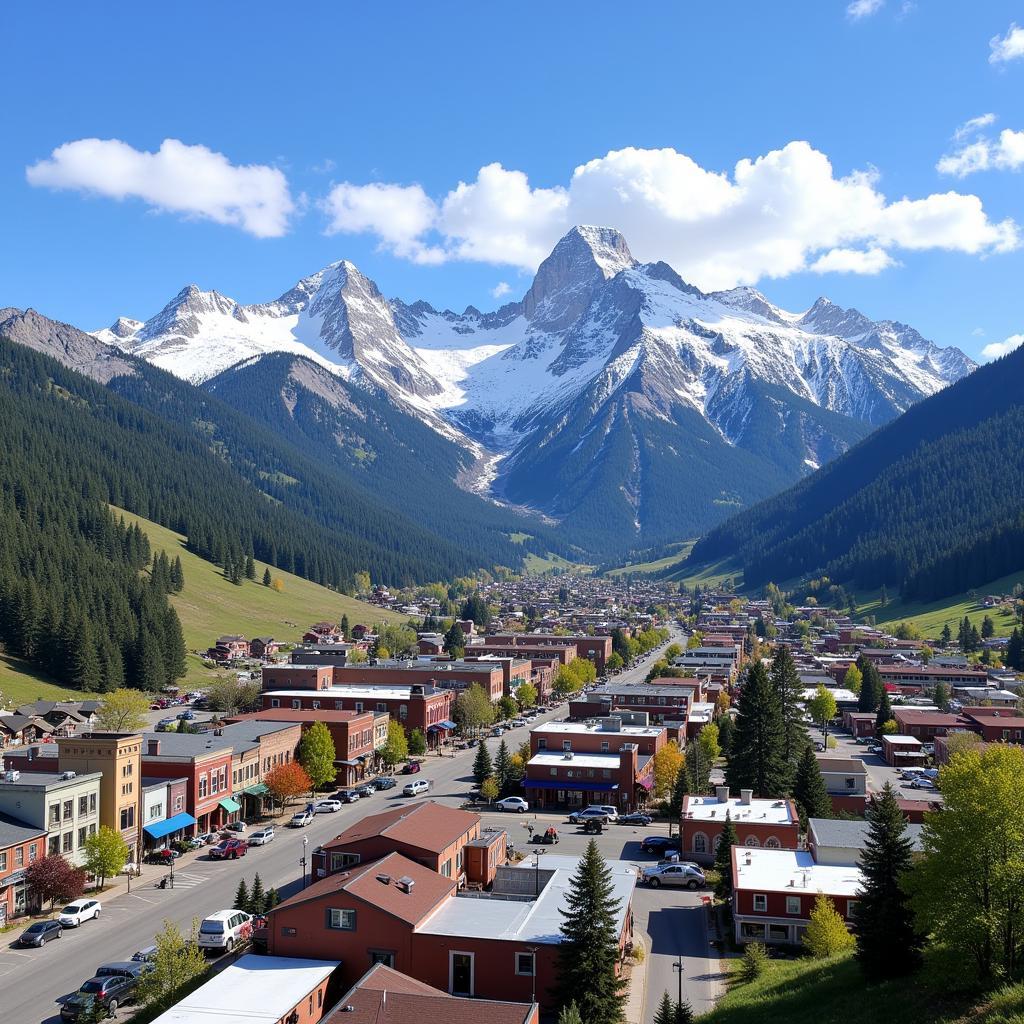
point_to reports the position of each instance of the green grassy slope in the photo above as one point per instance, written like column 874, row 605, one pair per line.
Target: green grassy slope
column 21, row 682
column 834, row 992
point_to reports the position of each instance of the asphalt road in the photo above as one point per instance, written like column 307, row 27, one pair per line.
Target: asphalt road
column 35, row 981
column 879, row 773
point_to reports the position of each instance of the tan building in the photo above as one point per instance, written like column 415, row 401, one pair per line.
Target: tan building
column 118, row 755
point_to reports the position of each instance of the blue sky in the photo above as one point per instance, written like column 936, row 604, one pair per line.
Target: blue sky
column 304, row 135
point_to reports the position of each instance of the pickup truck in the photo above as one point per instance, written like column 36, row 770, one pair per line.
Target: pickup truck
column 229, row 849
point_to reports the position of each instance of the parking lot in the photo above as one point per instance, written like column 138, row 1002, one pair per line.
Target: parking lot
column 879, row 773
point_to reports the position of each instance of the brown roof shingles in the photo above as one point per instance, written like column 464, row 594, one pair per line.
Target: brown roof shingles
column 428, row 826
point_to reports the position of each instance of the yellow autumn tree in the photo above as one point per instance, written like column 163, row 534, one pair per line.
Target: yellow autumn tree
column 826, row 933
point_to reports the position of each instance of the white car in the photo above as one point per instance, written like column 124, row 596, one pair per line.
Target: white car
column 326, row 806
column 131, row 868
column 513, row 803
column 922, row 783
column 222, row 930
column 235, row 826
column 301, row 819
column 79, row 911
column 261, row 837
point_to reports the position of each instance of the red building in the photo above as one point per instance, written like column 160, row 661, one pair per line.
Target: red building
column 428, row 833
column 661, row 703
column 924, row 725
column 994, row 725
column 20, row 846
column 773, row 824
column 205, row 762
column 597, row 649
column 774, row 893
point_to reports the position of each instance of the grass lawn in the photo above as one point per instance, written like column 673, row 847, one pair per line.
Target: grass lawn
column 931, row 617
column 534, row 565
column 210, row 606
column 711, row 574
column 833, row 991
column 21, row 683
column 680, row 552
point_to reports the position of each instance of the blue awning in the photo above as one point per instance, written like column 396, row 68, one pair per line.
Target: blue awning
column 159, row 829
column 600, row 787
column 444, row 726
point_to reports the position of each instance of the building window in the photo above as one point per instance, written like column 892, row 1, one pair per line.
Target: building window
column 92, row 803
column 446, row 868
column 296, row 704
column 316, row 705
column 525, row 964
column 851, row 783
column 214, row 783
column 177, row 803
column 69, row 809
column 567, row 744
column 83, row 805
column 749, row 930
column 54, row 814
column 792, row 904
column 3, row 860
column 344, row 860
column 127, row 818
column 542, row 744
column 403, row 710
column 53, row 845
column 382, row 956
column 341, row 920
column 32, row 854
column 19, row 856
column 554, row 773
column 605, row 747
column 202, row 786
column 359, row 705
column 760, row 903
column 851, row 908
column 67, row 842
column 751, row 841
column 274, row 702
column 381, row 706
column 771, row 843
column 156, row 811
column 700, row 842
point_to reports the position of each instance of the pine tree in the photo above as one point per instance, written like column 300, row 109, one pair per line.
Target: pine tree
column 726, row 731
column 723, row 861
column 809, row 790
column 680, row 789
column 483, row 767
column 884, row 711
column 946, row 635
column 666, row 1013
column 1015, row 649
column 177, row 575
column 503, row 768
column 589, row 951
column 344, row 627
column 257, row 898
column 756, row 759
column 250, row 568
column 242, row 898
column 887, row 944
column 570, row 1014
column 273, row 898
column 266, row 577
column 682, row 1013
column 870, row 686
column 789, row 693
column 975, row 638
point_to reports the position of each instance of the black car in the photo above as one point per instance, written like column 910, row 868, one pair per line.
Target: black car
column 636, row 818
column 349, row 796
column 113, row 985
column 384, row 782
column 658, row 844
column 40, row 933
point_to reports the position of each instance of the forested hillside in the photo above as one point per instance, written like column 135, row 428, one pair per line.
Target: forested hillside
column 932, row 502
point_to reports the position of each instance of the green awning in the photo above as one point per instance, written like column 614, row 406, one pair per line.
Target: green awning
column 231, row 806
column 258, row 790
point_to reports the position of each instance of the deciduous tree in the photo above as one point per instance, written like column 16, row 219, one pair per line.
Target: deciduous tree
column 178, row 961
column 826, row 932
column 287, row 781
column 106, row 853
column 123, row 710
column 51, row 879
column 526, row 695
column 396, row 748
column 668, row 763
column 417, row 743
column 317, row 755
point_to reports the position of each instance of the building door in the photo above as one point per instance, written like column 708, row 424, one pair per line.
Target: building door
column 460, row 974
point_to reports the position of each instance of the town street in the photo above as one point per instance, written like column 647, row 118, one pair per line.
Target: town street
column 129, row 921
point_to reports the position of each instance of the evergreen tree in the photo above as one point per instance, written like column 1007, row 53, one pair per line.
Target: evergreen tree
column 273, row 898
column 666, row 1013
column 680, row 789
column 346, row 632
column 789, row 694
column 570, row 1014
column 682, row 1013
column 887, row 944
column 884, row 711
column 250, row 568
column 870, row 686
column 975, row 639
column 177, row 575
column 267, row 579
column 455, row 641
column 946, row 635
column 723, row 861
column 503, row 768
column 173, row 646
column 809, row 790
column 588, row 954
column 483, row 767
column 756, row 759
column 242, row 900
column 1015, row 650
column 726, row 731
column 257, row 897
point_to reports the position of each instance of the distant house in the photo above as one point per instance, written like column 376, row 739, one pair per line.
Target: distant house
column 237, row 646
column 835, row 841
column 264, row 647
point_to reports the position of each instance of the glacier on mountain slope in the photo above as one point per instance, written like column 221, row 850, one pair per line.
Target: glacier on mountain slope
column 594, row 322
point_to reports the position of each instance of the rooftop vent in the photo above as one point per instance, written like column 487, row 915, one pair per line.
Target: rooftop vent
column 12, row 775
column 68, row 775
column 567, row 756
column 405, row 883
column 386, row 879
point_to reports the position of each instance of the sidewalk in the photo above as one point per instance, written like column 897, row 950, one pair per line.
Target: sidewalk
column 636, row 997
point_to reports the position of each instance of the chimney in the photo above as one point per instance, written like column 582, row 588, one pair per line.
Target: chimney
column 746, row 795
column 722, row 794
column 153, row 748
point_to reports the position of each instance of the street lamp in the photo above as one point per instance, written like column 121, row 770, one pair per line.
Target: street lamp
column 537, row 854
column 305, row 843
column 677, row 965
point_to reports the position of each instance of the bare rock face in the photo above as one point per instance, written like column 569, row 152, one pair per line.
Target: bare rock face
column 70, row 346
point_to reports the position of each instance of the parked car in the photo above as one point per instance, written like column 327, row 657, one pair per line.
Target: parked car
column 411, row 768
column 928, row 748
column 40, row 933
column 207, row 838
column 77, row 912
column 145, row 955
column 164, row 856
column 636, row 818
column 220, row 932
column 185, row 716
column 517, row 722
column 229, row 849
column 658, row 844
column 113, row 985
column 164, row 724
column 235, row 826
column 687, row 876
column 513, row 803
column 262, row 836
column 301, row 819
column 327, row 806
column 605, row 812
column 366, row 789
column 923, row 782
column 385, row 782
column 497, row 731
column 417, row 787
column 349, row 796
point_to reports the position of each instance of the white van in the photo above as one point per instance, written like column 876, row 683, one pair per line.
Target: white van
column 223, row 930
column 417, row 787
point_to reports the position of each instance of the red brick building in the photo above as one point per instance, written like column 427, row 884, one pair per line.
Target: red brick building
column 661, row 703
column 428, row 833
column 597, row 649
column 924, row 725
column 771, row 824
column 994, row 725
column 20, row 846
column 774, row 892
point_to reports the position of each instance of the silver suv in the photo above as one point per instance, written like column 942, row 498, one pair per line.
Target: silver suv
column 600, row 812
column 686, row 876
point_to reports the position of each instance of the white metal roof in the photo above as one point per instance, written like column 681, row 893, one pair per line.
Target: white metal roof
column 253, row 990
column 794, row 871
column 552, row 758
column 596, row 730
column 709, row 808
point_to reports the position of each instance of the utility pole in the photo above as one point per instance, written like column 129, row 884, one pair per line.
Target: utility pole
column 678, row 966
column 537, row 854
column 305, row 843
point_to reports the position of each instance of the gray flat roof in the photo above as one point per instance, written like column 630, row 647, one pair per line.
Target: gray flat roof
column 13, row 832
column 48, row 780
column 851, row 834
column 184, row 744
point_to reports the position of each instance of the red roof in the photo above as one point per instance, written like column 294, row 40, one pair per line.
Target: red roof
column 427, row 825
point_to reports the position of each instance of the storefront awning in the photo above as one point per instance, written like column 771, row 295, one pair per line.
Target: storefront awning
column 159, row 829
column 349, row 764
column 445, row 726
column 258, row 790
column 229, row 805
column 599, row 787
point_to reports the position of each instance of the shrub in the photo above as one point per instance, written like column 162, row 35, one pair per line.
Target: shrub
column 754, row 962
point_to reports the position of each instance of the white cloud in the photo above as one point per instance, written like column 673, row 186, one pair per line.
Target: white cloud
column 774, row 215
column 1006, row 153
column 1008, row 47
column 178, row 178
column 858, row 9
column 1001, row 348
column 501, row 289
column 853, row 261
column 978, row 332
column 975, row 124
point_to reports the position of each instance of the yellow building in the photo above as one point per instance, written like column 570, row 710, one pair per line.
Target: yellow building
column 118, row 756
